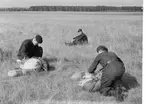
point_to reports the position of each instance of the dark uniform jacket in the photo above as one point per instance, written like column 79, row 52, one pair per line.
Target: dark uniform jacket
column 113, row 69
column 81, row 39
column 28, row 50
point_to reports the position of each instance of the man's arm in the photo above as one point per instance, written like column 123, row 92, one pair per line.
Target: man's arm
column 120, row 59
column 23, row 51
column 38, row 51
column 78, row 37
column 94, row 65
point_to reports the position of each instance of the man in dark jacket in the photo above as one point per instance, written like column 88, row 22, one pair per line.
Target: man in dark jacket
column 30, row 48
column 112, row 71
column 80, row 39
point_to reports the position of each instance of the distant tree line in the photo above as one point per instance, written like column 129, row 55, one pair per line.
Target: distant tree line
column 77, row 8
column 14, row 9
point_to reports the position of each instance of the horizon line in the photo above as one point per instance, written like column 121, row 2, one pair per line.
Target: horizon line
column 76, row 5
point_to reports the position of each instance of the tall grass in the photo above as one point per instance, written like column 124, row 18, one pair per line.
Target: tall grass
column 120, row 33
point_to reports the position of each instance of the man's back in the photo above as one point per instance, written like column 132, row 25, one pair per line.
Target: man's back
column 108, row 56
column 103, row 59
column 27, row 49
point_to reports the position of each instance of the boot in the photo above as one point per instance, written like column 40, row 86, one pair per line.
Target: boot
column 118, row 94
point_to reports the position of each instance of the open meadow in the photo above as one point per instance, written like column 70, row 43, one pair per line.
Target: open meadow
column 120, row 32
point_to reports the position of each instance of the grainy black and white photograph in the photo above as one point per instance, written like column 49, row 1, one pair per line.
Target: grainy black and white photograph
column 71, row 51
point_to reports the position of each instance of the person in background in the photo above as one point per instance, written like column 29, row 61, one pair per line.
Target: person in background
column 79, row 40
column 30, row 48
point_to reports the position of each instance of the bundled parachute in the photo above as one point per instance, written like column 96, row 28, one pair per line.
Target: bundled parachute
column 32, row 64
column 89, row 82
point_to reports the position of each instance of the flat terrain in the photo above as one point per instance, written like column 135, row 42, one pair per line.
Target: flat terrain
column 120, row 32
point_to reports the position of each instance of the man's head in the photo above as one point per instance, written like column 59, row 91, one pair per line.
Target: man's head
column 37, row 40
column 101, row 49
column 80, row 30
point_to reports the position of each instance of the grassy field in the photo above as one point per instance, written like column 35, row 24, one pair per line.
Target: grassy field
column 120, row 32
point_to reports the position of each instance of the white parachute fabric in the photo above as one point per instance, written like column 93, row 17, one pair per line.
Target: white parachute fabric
column 89, row 82
column 28, row 65
column 31, row 64
column 15, row 73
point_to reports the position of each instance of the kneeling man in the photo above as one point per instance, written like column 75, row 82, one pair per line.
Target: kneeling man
column 107, row 80
column 30, row 57
column 112, row 71
column 30, row 48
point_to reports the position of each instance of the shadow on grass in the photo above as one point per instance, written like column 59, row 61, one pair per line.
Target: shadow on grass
column 43, row 73
column 48, row 61
column 51, row 68
column 51, row 60
column 129, row 81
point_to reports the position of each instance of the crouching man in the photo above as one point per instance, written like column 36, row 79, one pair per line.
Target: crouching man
column 30, row 57
column 112, row 71
column 107, row 80
column 30, row 48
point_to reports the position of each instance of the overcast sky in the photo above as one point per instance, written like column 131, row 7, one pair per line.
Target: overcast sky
column 27, row 3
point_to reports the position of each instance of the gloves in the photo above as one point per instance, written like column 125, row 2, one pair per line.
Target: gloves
column 19, row 61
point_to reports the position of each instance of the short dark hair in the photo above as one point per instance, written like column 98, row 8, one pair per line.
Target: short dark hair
column 101, row 47
column 38, row 38
column 80, row 30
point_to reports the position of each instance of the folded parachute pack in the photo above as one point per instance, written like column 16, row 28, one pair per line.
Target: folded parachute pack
column 89, row 82
column 29, row 65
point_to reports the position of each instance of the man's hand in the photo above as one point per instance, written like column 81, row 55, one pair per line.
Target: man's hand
column 72, row 40
column 87, row 76
column 19, row 61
